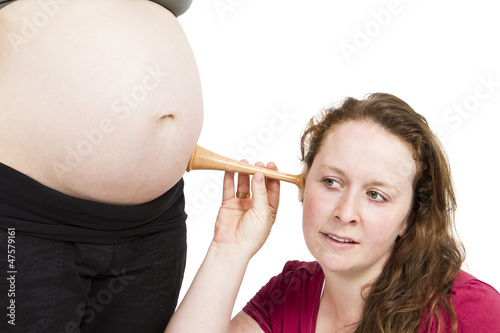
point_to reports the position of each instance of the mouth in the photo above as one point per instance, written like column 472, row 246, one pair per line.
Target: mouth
column 341, row 239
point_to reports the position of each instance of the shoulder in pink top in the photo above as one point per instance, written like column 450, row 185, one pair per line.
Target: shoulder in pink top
column 289, row 302
column 476, row 304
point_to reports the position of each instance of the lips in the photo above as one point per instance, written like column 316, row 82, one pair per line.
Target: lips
column 341, row 239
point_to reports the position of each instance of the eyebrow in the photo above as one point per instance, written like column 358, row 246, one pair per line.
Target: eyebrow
column 382, row 184
column 374, row 182
column 334, row 169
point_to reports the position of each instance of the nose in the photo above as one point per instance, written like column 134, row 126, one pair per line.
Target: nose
column 347, row 207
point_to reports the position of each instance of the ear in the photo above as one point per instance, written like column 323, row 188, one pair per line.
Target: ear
column 402, row 232
column 409, row 220
column 302, row 186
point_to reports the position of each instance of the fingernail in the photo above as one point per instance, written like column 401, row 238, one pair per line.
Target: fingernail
column 259, row 178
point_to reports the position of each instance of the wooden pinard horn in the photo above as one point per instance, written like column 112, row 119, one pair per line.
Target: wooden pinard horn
column 203, row 159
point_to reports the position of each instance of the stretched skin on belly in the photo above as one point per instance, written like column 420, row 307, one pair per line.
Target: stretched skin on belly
column 103, row 103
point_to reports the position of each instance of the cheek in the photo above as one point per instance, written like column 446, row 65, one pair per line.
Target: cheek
column 310, row 215
column 307, row 215
column 384, row 231
column 313, row 207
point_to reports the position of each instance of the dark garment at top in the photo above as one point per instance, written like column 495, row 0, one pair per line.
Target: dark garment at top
column 177, row 7
column 37, row 210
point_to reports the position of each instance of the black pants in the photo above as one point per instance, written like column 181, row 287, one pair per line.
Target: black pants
column 67, row 287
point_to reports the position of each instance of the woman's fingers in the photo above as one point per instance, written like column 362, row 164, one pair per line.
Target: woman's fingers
column 260, row 192
column 273, row 191
column 270, row 187
column 243, row 221
column 228, row 186
column 243, row 182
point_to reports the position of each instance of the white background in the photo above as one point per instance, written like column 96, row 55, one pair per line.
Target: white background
column 267, row 66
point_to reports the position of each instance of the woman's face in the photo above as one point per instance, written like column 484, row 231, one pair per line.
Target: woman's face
column 357, row 198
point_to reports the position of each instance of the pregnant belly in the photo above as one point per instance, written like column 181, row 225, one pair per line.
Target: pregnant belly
column 99, row 99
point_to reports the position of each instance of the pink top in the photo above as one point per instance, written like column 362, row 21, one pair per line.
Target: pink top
column 289, row 302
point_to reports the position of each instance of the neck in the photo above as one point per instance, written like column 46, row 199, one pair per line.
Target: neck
column 342, row 299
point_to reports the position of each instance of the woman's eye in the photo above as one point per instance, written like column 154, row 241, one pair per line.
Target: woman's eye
column 376, row 196
column 331, row 182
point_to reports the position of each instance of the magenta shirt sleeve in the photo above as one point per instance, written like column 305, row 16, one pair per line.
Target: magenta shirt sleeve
column 300, row 284
column 261, row 306
column 476, row 305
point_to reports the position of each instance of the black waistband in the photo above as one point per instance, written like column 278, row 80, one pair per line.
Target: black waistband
column 35, row 209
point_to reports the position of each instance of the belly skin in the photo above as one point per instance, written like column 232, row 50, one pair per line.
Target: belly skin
column 102, row 100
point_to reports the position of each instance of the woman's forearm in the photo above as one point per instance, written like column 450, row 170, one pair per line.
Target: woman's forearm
column 209, row 302
column 242, row 227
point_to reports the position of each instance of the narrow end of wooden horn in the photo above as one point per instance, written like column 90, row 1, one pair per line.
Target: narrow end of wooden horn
column 300, row 185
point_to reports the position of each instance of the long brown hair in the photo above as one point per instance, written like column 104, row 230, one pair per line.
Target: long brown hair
column 417, row 279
